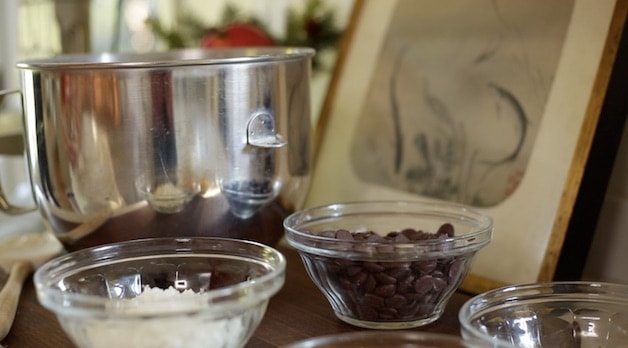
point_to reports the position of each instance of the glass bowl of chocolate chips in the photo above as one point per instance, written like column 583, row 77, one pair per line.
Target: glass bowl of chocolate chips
column 388, row 264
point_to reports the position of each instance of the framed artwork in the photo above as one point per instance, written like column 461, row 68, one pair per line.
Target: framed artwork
column 488, row 103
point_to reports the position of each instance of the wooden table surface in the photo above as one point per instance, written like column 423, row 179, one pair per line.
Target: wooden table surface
column 296, row 312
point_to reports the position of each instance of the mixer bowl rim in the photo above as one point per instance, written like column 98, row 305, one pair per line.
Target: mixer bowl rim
column 171, row 58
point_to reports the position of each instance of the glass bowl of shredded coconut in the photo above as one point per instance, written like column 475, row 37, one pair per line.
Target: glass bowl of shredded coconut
column 162, row 292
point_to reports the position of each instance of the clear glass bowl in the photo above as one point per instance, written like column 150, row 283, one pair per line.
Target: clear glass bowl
column 163, row 292
column 379, row 283
column 381, row 339
column 552, row 314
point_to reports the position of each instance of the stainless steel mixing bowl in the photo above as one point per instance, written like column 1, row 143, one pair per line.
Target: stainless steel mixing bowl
column 189, row 142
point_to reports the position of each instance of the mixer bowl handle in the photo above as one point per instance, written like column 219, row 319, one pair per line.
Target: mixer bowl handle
column 5, row 205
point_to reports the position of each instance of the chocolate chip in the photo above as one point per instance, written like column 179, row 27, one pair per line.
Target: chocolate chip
column 373, row 267
column 424, row 284
column 446, row 229
column 344, row 235
column 370, row 284
column 374, row 301
column 384, row 278
column 386, row 290
column 396, row 301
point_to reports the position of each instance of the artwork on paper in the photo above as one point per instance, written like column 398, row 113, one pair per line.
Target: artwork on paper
column 457, row 97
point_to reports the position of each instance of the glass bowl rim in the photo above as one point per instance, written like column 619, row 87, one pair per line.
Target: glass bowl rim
column 316, row 244
column 59, row 267
column 541, row 291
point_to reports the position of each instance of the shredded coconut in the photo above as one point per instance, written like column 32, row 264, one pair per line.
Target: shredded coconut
column 168, row 190
column 168, row 198
column 189, row 329
column 156, row 300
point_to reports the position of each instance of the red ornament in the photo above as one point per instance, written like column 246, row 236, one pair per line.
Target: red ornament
column 237, row 35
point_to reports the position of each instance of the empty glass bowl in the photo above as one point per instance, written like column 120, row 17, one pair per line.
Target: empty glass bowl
column 163, row 292
column 552, row 314
column 388, row 265
column 381, row 339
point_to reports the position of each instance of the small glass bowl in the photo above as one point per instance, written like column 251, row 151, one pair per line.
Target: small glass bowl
column 551, row 314
column 162, row 292
column 379, row 283
column 379, row 339
column 168, row 197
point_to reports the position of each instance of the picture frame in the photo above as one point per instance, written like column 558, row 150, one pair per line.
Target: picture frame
column 530, row 223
